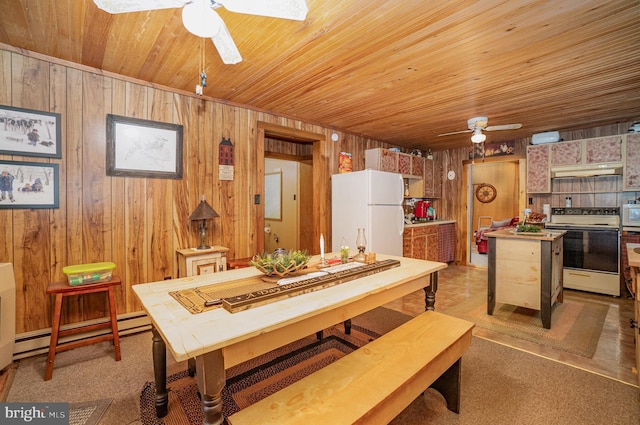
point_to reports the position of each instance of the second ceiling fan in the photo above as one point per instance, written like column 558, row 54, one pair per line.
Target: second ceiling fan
column 477, row 124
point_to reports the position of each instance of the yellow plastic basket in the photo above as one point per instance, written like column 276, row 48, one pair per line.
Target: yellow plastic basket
column 82, row 274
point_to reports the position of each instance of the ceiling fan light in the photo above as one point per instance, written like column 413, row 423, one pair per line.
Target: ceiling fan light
column 478, row 136
column 200, row 19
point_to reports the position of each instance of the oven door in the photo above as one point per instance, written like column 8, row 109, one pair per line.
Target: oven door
column 591, row 248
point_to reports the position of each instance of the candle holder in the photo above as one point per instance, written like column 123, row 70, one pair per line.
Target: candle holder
column 361, row 244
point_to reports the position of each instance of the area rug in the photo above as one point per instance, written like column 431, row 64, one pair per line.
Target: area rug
column 576, row 325
column 88, row 412
column 255, row 379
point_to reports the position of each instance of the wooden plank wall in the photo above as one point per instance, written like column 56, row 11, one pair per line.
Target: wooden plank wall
column 139, row 223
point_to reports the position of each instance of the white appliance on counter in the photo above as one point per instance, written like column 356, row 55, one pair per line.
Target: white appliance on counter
column 372, row 200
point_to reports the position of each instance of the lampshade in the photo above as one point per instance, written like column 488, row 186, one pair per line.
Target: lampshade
column 204, row 211
column 478, row 136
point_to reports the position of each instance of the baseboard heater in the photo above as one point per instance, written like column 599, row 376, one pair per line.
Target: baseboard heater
column 37, row 342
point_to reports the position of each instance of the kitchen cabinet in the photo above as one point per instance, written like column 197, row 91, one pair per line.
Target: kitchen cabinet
column 538, row 169
column 195, row 262
column 432, row 179
column 526, row 271
column 566, row 153
column 603, row 149
column 599, row 150
column 631, row 179
column 410, row 166
column 423, row 241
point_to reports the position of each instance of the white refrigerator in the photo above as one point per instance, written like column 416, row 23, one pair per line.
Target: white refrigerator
column 371, row 200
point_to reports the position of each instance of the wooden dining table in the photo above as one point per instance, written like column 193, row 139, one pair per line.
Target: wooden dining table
column 218, row 339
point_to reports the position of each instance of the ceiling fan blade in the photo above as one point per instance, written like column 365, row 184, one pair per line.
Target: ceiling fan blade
column 224, row 43
column 286, row 9
column 504, row 127
column 124, row 6
column 455, row 132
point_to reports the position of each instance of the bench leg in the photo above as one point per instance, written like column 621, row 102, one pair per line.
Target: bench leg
column 320, row 335
column 448, row 384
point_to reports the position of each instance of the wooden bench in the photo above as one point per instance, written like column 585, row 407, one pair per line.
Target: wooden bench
column 376, row 382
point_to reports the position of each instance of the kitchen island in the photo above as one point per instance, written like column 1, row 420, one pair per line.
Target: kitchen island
column 525, row 269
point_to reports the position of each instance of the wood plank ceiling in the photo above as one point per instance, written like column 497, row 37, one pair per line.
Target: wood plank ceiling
column 397, row 71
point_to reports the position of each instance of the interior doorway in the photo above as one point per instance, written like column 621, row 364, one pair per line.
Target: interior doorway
column 494, row 197
column 303, row 147
column 287, row 204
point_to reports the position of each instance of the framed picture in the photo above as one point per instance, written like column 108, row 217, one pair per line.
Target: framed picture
column 30, row 133
column 143, row 148
column 28, row 185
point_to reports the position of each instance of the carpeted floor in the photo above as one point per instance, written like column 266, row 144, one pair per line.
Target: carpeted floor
column 575, row 325
column 500, row 385
column 254, row 380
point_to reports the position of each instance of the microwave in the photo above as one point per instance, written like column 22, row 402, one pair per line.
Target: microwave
column 631, row 215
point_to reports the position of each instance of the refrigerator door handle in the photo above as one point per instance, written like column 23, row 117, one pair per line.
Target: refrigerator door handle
column 401, row 219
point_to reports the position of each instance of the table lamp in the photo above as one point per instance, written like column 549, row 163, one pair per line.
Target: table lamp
column 202, row 213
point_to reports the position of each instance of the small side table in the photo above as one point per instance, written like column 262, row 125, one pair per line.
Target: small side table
column 63, row 289
column 194, row 262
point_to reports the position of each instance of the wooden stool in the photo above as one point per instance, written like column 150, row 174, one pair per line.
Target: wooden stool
column 63, row 289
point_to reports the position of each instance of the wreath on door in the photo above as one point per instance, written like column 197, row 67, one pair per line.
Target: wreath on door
column 486, row 193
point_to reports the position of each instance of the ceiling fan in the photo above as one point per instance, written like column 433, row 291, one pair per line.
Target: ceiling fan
column 201, row 19
column 477, row 124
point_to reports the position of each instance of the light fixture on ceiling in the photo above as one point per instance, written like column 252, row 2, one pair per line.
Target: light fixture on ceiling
column 478, row 136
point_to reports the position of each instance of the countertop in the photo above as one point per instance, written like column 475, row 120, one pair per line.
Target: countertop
column 633, row 253
column 545, row 235
column 428, row 223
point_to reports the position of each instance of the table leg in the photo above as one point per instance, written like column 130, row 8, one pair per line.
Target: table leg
column 211, row 379
column 160, row 373
column 430, row 292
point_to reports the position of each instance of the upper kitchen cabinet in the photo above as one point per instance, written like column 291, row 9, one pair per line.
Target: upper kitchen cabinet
column 603, row 149
column 410, row 166
column 538, row 169
column 599, row 150
column 567, row 153
column 432, row 179
column 632, row 163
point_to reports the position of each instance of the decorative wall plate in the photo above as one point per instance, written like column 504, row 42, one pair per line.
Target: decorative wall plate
column 486, row 193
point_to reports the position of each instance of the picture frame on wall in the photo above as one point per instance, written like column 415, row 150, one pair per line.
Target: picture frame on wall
column 28, row 132
column 143, row 148
column 25, row 185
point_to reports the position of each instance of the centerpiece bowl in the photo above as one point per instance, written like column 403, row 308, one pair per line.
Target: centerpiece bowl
column 280, row 264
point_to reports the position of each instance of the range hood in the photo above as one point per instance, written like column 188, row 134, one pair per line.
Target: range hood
column 588, row 170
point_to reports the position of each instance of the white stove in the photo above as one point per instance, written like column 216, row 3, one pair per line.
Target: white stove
column 591, row 248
